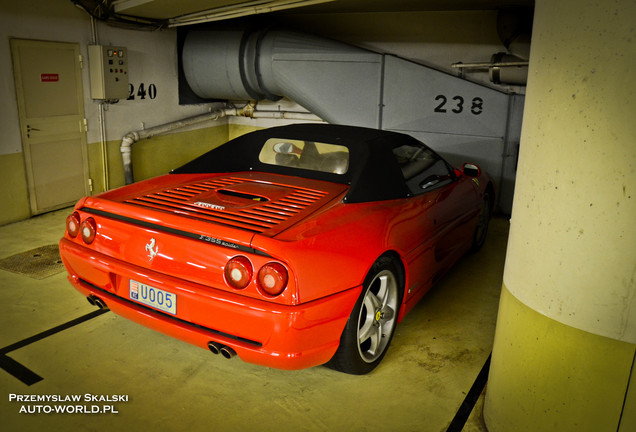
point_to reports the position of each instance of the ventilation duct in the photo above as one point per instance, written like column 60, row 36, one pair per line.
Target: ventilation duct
column 343, row 84
column 269, row 64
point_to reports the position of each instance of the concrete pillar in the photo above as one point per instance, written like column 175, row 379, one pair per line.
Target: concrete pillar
column 563, row 358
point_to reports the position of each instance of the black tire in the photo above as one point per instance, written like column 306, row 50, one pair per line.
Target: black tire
column 371, row 325
column 483, row 220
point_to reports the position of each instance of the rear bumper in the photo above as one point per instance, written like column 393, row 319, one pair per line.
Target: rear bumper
column 264, row 333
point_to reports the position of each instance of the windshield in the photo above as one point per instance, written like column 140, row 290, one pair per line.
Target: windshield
column 308, row 155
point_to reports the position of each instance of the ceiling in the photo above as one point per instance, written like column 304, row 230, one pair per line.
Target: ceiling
column 192, row 11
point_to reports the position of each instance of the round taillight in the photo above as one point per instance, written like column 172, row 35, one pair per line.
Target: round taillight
column 88, row 229
column 272, row 278
column 238, row 272
column 73, row 224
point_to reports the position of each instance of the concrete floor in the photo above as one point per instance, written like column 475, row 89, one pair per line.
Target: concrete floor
column 435, row 357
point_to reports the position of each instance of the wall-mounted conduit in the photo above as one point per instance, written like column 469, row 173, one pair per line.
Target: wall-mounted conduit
column 249, row 110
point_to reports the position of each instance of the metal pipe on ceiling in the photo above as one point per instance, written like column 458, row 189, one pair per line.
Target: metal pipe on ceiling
column 503, row 68
column 486, row 65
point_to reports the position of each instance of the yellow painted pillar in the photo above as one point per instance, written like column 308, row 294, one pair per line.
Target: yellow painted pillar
column 563, row 358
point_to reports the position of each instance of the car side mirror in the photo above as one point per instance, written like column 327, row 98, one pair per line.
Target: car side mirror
column 471, row 170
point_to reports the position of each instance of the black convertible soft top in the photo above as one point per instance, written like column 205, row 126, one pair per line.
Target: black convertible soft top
column 373, row 174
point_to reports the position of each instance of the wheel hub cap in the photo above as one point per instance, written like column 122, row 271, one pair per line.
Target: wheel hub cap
column 377, row 316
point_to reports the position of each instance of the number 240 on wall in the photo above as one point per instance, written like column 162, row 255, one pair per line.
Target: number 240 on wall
column 141, row 91
column 458, row 104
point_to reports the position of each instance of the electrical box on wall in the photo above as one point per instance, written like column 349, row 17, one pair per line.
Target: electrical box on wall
column 108, row 68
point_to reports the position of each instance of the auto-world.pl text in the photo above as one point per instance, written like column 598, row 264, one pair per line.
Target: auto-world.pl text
column 87, row 403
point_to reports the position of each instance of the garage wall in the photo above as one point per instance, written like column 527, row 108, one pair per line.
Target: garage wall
column 424, row 37
column 28, row 19
column 153, row 65
column 152, row 62
column 432, row 38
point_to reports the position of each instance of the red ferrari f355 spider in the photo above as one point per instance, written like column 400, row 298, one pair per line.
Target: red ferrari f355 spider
column 290, row 247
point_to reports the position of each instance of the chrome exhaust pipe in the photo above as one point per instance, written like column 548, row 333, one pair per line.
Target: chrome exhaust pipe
column 96, row 301
column 228, row 352
column 100, row 303
column 215, row 348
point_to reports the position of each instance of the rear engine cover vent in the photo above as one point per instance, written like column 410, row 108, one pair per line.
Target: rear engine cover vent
column 236, row 194
column 251, row 205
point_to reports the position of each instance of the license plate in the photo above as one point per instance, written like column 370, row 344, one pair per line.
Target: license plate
column 154, row 297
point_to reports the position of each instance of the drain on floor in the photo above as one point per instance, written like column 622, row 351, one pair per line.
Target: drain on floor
column 38, row 263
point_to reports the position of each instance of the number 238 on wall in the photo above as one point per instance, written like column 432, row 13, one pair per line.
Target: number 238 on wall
column 141, row 93
column 457, row 105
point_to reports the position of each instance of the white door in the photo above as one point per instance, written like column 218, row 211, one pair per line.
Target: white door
column 51, row 107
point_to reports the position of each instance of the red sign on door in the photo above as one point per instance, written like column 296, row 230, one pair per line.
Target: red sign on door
column 49, row 77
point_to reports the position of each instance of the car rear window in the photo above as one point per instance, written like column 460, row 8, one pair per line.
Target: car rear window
column 308, row 155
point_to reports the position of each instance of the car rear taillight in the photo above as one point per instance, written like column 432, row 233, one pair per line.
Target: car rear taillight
column 272, row 278
column 238, row 272
column 88, row 228
column 73, row 224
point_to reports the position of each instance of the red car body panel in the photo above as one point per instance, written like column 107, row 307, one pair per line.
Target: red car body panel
column 279, row 336
column 177, row 232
